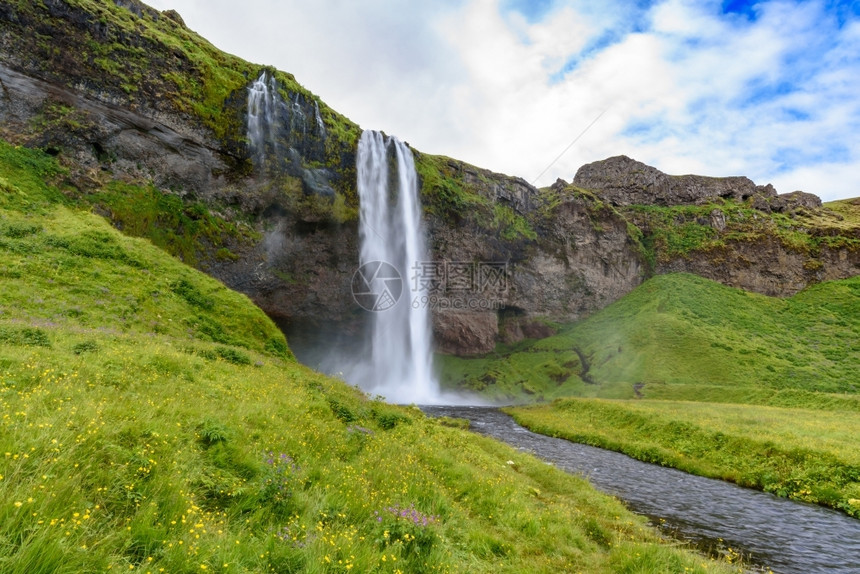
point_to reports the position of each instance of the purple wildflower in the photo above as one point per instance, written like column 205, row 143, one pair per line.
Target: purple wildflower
column 409, row 514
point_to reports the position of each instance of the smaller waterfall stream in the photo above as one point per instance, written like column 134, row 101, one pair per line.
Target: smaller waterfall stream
column 399, row 365
column 262, row 105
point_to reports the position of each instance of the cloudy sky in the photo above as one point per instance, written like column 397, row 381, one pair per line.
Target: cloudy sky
column 768, row 89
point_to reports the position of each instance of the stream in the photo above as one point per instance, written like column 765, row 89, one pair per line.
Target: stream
column 783, row 535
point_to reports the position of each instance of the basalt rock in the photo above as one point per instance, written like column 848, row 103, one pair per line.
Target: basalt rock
column 98, row 136
column 624, row 181
column 579, row 258
column 465, row 332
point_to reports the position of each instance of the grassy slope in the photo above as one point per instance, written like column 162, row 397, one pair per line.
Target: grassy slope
column 691, row 346
column 684, row 337
column 152, row 420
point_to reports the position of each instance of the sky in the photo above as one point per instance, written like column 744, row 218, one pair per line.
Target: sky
column 537, row 88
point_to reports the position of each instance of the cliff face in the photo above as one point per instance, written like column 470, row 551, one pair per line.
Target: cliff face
column 729, row 229
column 129, row 99
column 564, row 254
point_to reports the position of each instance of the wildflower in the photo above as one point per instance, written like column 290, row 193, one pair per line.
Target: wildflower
column 411, row 514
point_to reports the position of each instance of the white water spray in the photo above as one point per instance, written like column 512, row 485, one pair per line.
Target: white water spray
column 400, row 363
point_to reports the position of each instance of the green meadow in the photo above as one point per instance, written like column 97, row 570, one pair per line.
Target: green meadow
column 682, row 337
column 152, row 420
column 685, row 372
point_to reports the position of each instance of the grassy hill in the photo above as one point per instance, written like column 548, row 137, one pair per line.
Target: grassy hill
column 687, row 373
column 153, row 421
column 683, row 337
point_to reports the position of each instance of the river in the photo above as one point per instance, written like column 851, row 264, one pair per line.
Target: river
column 783, row 535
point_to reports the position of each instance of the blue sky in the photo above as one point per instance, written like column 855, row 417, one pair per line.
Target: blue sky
column 765, row 89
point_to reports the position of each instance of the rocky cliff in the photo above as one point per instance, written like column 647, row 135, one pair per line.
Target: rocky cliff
column 728, row 228
column 152, row 123
column 623, row 181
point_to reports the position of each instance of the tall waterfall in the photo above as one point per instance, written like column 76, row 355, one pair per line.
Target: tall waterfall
column 397, row 362
column 399, row 365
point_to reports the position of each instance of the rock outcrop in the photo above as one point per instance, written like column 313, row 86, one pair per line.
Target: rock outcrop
column 766, row 266
column 624, row 181
column 564, row 256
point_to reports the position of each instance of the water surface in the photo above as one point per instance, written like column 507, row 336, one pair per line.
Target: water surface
column 787, row 536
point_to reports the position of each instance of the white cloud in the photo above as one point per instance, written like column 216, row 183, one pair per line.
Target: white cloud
column 683, row 87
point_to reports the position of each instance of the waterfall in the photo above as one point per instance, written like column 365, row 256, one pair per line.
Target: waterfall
column 262, row 108
column 280, row 130
column 399, row 362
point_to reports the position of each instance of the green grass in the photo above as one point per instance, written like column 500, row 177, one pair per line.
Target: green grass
column 756, row 390
column 98, row 279
column 183, row 228
column 518, row 373
column 152, row 420
column 802, row 454
column 684, row 337
column 188, row 230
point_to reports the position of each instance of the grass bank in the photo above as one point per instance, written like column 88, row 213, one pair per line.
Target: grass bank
column 803, row 454
column 153, row 421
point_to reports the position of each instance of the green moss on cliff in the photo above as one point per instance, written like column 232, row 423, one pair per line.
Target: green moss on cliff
column 510, row 224
column 184, row 229
column 442, row 191
column 446, row 194
column 670, row 232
